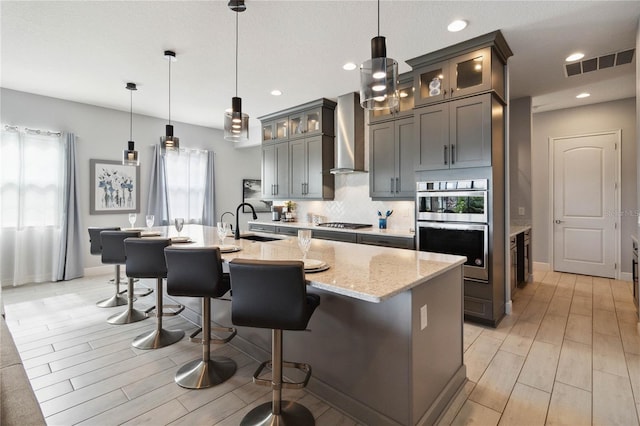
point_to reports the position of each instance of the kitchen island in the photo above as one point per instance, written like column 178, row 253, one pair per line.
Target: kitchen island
column 385, row 343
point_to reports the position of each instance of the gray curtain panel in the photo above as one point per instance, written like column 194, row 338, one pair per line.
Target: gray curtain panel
column 209, row 208
column 158, row 203
column 71, row 255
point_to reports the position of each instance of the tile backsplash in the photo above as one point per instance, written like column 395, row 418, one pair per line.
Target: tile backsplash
column 353, row 204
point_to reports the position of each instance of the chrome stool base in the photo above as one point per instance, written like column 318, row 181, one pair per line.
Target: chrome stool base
column 127, row 317
column 199, row 374
column 157, row 339
column 115, row 300
column 291, row 413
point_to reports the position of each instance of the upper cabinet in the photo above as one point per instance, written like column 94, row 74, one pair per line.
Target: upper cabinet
column 405, row 104
column 306, row 133
column 469, row 68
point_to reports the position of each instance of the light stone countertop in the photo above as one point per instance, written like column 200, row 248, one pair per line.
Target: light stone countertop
column 364, row 272
column 391, row 232
column 518, row 229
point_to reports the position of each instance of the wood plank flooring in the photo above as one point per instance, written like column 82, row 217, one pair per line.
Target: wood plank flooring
column 569, row 354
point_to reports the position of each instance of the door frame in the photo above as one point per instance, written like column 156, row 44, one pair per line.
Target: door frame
column 617, row 203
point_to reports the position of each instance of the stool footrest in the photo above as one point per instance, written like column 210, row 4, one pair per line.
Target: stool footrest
column 176, row 310
column 285, row 384
column 142, row 293
column 233, row 331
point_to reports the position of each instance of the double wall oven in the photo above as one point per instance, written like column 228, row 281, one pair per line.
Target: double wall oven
column 452, row 218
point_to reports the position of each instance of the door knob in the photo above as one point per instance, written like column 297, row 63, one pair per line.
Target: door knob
column 558, row 221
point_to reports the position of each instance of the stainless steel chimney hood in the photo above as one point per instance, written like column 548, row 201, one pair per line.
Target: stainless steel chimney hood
column 349, row 152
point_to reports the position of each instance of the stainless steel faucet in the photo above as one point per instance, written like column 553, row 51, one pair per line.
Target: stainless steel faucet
column 255, row 216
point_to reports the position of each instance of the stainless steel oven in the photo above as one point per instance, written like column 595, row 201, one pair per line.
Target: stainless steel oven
column 462, row 239
column 452, row 218
column 452, row 201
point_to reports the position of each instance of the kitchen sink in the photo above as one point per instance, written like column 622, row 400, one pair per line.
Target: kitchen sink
column 258, row 238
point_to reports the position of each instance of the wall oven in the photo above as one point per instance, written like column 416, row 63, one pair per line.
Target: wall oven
column 452, row 218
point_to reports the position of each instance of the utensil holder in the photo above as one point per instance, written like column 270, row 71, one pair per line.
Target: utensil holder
column 382, row 223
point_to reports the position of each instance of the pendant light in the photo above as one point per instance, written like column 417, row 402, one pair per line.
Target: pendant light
column 169, row 141
column 130, row 155
column 379, row 76
column 236, row 123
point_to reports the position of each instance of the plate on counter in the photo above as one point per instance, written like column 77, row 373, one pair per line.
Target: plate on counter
column 151, row 234
column 315, row 265
column 180, row 240
column 229, row 248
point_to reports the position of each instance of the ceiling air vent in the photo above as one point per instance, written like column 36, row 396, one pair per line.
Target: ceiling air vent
column 599, row 63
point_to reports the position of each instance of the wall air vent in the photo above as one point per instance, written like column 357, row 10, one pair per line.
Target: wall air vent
column 605, row 61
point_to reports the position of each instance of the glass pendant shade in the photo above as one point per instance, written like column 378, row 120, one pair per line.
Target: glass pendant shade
column 379, row 78
column 236, row 123
column 130, row 155
column 169, row 141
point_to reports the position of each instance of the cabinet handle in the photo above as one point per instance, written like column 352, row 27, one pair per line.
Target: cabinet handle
column 391, row 186
column 276, row 189
column 444, row 93
column 273, row 189
column 445, row 155
column 397, row 184
column 453, row 154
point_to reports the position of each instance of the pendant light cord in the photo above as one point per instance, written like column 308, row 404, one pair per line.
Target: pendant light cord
column 169, row 90
column 131, row 115
column 237, row 53
column 378, row 18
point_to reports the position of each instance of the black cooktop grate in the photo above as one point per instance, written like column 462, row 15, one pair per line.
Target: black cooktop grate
column 345, row 225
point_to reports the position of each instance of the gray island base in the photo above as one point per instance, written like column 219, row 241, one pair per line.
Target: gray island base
column 385, row 344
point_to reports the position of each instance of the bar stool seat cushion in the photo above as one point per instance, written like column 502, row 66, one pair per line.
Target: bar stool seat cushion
column 113, row 246
column 192, row 270
column 145, row 257
column 264, row 299
column 95, row 242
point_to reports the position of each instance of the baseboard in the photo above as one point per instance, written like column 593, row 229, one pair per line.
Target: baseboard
column 540, row 266
column 625, row 276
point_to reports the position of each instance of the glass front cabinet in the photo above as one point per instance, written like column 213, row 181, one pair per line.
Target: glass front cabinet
column 463, row 75
column 405, row 105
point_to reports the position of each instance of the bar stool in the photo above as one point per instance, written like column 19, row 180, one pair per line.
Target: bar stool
column 113, row 254
column 145, row 259
column 95, row 248
column 197, row 272
column 272, row 294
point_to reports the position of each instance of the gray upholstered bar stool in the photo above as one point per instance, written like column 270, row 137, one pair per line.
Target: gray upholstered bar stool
column 197, row 272
column 272, row 294
column 95, row 248
column 113, row 254
column 145, row 259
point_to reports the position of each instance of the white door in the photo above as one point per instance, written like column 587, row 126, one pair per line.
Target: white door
column 585, row 170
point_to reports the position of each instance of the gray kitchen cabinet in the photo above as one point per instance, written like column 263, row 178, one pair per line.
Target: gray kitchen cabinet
column 457, row 134
column 259, row 227
column 275, row 171
column 392, row 149
column 386, row 241
column 310, row 160
column 348, row 237
column 306, row 133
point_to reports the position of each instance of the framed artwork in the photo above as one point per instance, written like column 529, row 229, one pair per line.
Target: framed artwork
column 252, row 194
column 114, row 187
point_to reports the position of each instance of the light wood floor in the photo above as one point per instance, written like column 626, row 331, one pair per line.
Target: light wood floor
column 569, row 354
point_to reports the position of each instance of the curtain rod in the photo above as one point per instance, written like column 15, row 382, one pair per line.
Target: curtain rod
column 32, row 131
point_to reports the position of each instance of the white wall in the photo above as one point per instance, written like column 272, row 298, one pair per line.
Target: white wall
column 103, row 134
column 578, row 121
column 520, row 160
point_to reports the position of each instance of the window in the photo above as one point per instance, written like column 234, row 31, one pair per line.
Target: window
column 186, row 173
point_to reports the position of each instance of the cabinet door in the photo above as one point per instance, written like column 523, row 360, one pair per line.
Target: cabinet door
column 268, row 171
column 314, row 177
column 281, row 128
column 382, row 160
column 297, row 168
column 470, row 73
column 268, row 134
column 432, row 83
column 405, row 185
column 432, row 133
column 282, row 170
column 470, row 132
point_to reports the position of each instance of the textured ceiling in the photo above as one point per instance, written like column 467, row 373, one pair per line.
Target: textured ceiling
column 86, row 51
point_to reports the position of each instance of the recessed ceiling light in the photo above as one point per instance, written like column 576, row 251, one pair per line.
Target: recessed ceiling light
column 575, row 57
column 349, row 66
column 457, row 25
column 583, row 95
column 276, row 92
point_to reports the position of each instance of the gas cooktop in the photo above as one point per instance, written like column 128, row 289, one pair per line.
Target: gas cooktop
column 345, row 225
